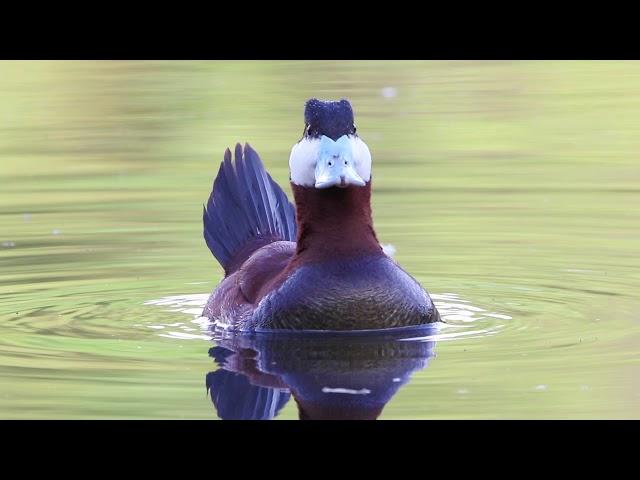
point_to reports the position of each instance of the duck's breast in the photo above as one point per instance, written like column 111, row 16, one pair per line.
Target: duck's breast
column 355, row 294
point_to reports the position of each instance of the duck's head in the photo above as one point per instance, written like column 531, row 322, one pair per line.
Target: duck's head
column 330, row 153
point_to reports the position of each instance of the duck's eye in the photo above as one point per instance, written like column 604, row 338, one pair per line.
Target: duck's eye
column 354, row 129
column 345, row 162
column 330, row 163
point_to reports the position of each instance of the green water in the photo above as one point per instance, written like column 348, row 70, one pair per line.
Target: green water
column 509, row 189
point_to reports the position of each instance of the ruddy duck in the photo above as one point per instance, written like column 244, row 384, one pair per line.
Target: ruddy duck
column 315, row 266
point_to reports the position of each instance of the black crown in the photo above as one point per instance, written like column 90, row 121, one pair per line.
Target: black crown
column 333, row 119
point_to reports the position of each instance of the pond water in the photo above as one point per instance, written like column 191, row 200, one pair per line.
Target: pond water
column 510, row 190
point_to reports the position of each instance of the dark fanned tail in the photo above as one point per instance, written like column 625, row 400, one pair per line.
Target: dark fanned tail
column 246, row 210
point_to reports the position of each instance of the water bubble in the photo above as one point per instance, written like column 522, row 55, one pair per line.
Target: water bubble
column 389, row 250
column 389, row 92
column 26, row 217
column 56, row 231
column 540, row 388
column 8, row 244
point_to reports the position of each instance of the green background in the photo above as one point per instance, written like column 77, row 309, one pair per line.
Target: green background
column 512, row 186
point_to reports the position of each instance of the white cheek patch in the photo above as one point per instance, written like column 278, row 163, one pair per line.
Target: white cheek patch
column 361, row 158
column 302, row 161
column 305, row 154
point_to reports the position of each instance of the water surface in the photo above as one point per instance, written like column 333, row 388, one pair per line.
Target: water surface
column 508, row 189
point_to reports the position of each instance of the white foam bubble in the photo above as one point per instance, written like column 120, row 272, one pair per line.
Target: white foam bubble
column 349, row 391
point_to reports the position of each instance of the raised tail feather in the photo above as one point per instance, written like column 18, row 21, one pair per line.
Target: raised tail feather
column 246, row 210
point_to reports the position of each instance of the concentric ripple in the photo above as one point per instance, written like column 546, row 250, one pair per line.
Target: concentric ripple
column 460, row 318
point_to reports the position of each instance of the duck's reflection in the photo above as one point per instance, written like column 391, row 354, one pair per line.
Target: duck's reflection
column 329, row 376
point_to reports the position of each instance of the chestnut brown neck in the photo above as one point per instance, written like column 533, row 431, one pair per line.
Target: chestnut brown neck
column 334, row 222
